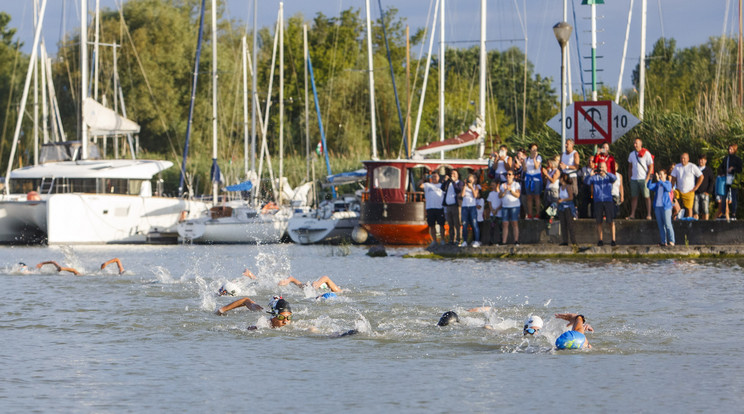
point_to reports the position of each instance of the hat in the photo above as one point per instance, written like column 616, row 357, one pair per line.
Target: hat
column 534, row 322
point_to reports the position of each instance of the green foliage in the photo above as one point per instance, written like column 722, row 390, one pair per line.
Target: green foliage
column 12, row 69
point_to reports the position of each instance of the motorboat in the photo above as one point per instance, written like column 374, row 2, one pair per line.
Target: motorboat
column 332, row 222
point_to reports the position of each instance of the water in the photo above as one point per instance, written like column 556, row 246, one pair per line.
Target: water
column 668, row 333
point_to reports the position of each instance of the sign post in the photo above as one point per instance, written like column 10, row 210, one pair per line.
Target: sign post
column 595, row 122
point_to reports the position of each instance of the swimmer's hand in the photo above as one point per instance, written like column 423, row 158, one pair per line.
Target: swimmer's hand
column 219, row 312
column 254, row 306
column 249, row 274
column 588, row 328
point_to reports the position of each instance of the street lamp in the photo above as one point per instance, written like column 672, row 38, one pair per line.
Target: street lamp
column 562, row 31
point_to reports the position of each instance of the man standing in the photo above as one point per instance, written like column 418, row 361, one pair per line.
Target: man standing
column 604, row 156
column 730, row 166
column 452, row 188
column 601, row 182
column 434, row 211
column 687, row 178
column 701, row 208
column 641, row 167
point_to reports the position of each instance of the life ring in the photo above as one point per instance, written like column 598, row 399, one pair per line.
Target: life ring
column 269, row 207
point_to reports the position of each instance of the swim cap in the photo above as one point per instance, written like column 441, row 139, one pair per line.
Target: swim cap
column 21, row 264
column 570, row 340
column 448, row 318
column 329, row 295
column 280, row 306
column 534, row 321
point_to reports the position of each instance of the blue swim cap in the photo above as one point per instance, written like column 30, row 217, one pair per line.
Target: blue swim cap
column 570, row 340
column 329, row 295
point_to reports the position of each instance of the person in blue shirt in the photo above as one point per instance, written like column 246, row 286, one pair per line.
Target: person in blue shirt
column 601, row 182
column 662, row 204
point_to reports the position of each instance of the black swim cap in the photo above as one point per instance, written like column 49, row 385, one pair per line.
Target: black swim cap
column 448, row 318
column 280, row 306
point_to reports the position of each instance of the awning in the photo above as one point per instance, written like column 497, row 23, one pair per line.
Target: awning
column 348, row 177
column 244, row 186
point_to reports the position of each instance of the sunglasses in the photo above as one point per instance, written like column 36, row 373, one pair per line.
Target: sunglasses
column 282, row 317
column 530, row 331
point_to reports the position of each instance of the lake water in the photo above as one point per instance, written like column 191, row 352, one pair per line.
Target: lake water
column 668, row 333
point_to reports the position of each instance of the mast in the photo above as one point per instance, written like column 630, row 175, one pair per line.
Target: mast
column 642, row 65
column 307, row 116
column 740, row 56
column 281, row 103
column 441, row 77
column 373, row 117
column 83, row 75
column 625, row 51
column 95, row 50
column 426, row 76
column 482, row 100
column 594, row 50
column 254, row 100
column 215, row 167
column 36, row 92
column 244, row 55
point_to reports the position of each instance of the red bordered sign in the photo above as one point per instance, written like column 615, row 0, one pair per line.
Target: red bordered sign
column 593, row 122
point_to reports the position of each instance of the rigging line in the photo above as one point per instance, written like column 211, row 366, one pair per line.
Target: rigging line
column 661, row 19
column 328, row 97
column 578, row 51
column 16, row 62
column 719, row 66
column 147, row 81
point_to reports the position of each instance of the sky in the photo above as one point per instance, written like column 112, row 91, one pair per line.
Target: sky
column 689, row 22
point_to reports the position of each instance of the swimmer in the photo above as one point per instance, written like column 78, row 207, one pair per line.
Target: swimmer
column 118, row 264
column 574, row 338
column 248, row 273
column 280, row 311
column 448, row 318
column 532, row 325
column 322, row 283
column 23, row 268
column 59, row 268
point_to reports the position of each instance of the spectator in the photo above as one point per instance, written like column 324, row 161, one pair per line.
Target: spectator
column 730, row 166
column 493, row 212
column 604, row 156
column 434, row 209
column 452, row 188
column 585, row 192
column 567, row 210
column 469, row 194
column 641, row 167
column 702, row 195
column 601, row 182
column 552, row 176
column 663, row 207
column 570, row 163
column 687, row 178
column 618, row 193
column 519, row 167
column 509, row 194
column 533, row 182
column 499, row 164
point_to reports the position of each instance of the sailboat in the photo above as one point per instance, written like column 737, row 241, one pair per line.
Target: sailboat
column 244, row 221
column 72, row 195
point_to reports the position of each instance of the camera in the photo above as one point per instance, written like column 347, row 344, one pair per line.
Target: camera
column 597, row 171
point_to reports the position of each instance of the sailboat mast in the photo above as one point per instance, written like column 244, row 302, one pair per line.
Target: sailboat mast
column 36, row 92
column 244, row 55
column 370, row 63
column 83, row 75
column 254, row 100
column 482, row 83
column 281, row 102
column 441, row 78
column 215, row 179
column 307, row 116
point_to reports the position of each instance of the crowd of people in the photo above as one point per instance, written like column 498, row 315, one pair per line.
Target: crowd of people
column 486, row 207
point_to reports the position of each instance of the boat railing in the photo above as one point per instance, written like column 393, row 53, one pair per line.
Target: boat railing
column 414, row 197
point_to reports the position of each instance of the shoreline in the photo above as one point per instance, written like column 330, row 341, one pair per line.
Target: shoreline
column 582, row 251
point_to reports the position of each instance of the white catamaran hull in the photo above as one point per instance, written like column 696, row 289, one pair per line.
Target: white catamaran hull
column 307, row 229
column 244, row 226
column 21, row 221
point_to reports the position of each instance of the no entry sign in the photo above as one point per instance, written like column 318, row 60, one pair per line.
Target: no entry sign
column 595, row 122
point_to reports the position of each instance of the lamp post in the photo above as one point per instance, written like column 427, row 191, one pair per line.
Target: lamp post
column 562, row 31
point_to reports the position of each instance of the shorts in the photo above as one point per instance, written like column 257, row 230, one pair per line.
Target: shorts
column 604, row 208
column 638, row 187
column 686, row 199
column 435, row 216
column 509, row 214
column 532, row 185
column 702, row 204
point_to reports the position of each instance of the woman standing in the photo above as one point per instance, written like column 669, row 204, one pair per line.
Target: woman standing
column 552, row 175
column 469, row 211
column 567, row 210
column 662, row 203
column 533, row 182
column 509, row 194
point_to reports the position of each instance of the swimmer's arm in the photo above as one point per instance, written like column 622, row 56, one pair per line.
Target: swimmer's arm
column 69, row 269
column 289, row 280
column 327, row 280
column 480, row 309
column 118, row 264
column 247, row 302
column 51, row 262
column 248, row 273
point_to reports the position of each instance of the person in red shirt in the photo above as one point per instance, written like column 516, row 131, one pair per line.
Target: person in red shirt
column 604, row 156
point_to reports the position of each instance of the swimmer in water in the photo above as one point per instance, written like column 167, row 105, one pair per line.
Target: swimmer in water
column 574, row 338
column 532, row 325
column 280, row 311
column 118, row 264
column 322, row 283
column 448, row 318
column 23, row 268
column 58, row 267
column 225, row 289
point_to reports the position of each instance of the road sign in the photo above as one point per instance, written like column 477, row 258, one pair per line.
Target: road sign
column 595, row 122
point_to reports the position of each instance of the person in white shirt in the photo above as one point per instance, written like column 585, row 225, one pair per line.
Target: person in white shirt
column 509, row 193
column 533, row 182
column 570, row 164
column 641, row 167
column 687, row 178
column 493, row 209
column 434, row 196
column 469, row 194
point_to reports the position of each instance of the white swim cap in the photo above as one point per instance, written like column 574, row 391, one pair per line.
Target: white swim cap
column 534, row 322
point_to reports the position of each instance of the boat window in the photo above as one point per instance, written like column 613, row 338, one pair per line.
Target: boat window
column 386, row 177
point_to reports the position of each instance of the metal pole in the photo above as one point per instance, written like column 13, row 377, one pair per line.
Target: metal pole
column 307, row 104
column 281, row 102
column 370, row 64
column 594, row 51
column 483, row 54
column 215, row 180
column 563, row 97
column 83, row 75
column 441, row 78
column 642, row 65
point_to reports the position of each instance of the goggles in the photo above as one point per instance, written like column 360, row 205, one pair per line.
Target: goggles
column 282, row 317
column 530, row 331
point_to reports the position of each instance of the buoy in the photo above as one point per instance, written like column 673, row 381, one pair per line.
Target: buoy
column 359, row 235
